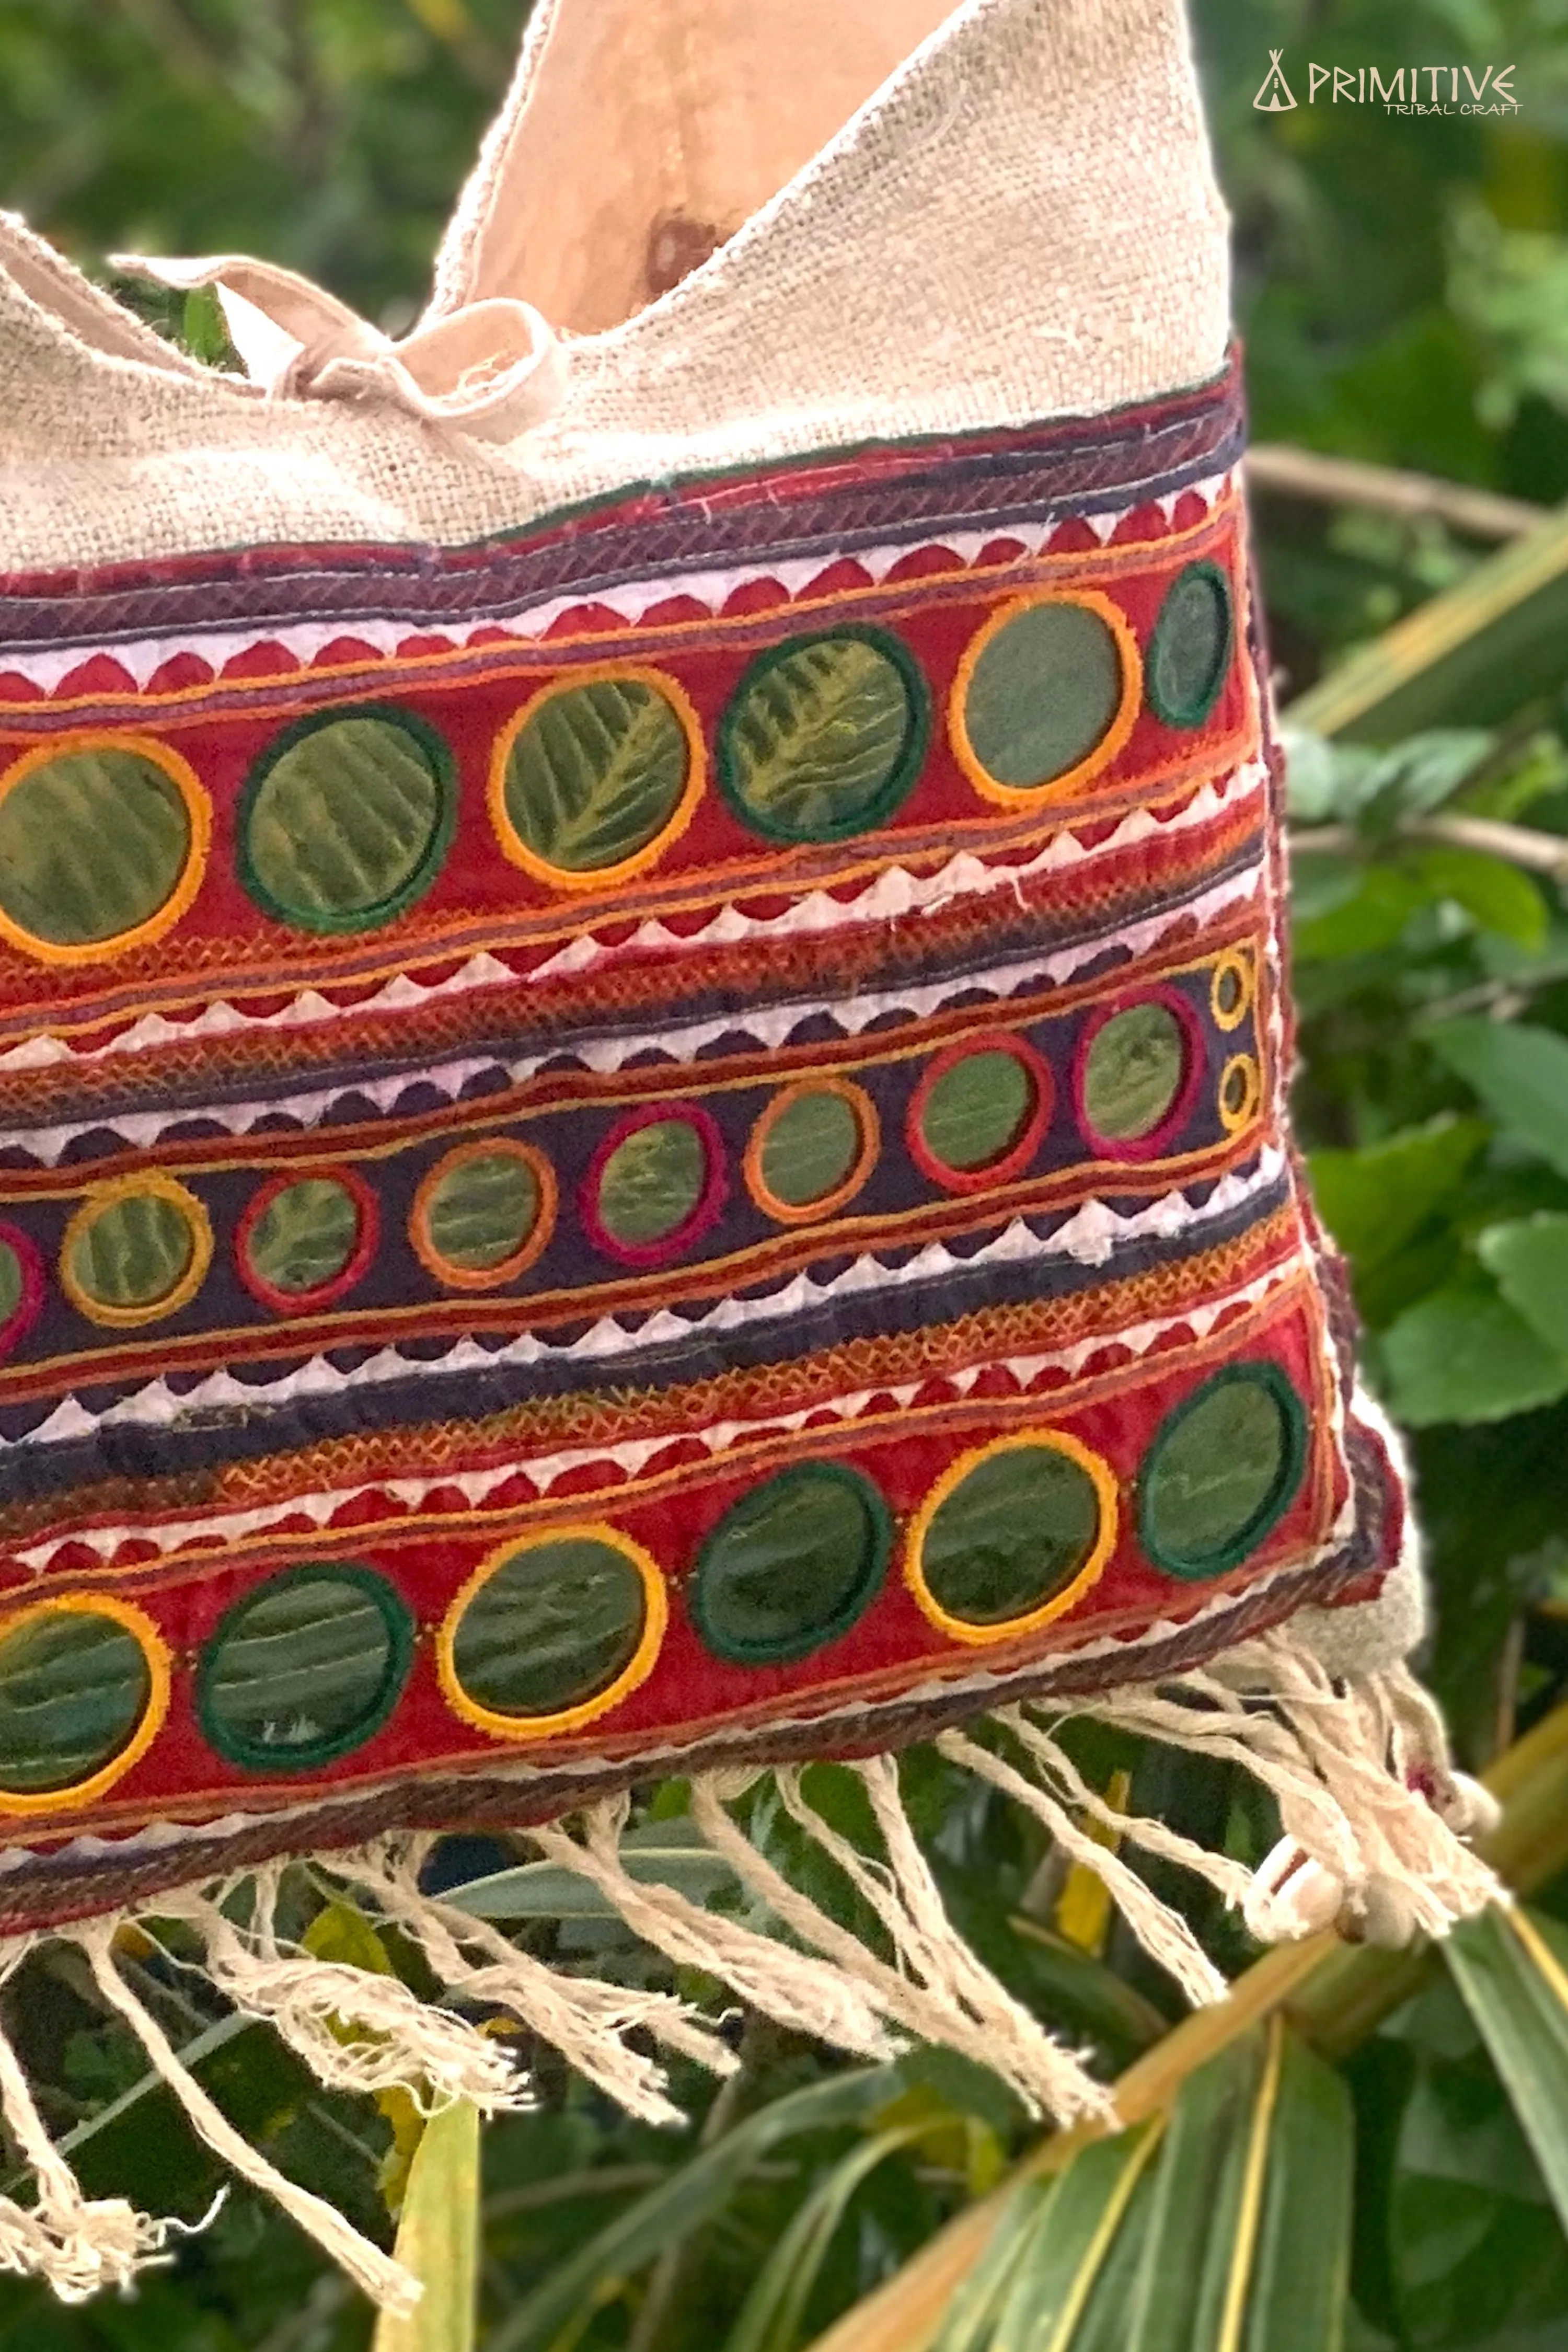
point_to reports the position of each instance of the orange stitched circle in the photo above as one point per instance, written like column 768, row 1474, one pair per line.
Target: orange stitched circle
column 199, row 815
column 869, row 1132
column 566, row 877
column 488, row 1277
column 1123, row 718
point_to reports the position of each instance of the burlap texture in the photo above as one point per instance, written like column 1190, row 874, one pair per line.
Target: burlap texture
column 1021, row 223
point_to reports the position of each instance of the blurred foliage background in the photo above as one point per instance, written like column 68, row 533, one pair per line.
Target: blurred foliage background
column 1402, row 288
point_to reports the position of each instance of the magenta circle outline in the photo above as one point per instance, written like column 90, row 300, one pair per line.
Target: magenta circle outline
column 292, row 1303
column 34, row 1289
column 711, row 1201
column 1012, row 1162
column 1150, row 1146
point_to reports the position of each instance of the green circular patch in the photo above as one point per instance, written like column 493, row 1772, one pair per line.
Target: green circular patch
column 823, row 737
column 346, row 818
column 1011, row 1535
column 73, row 1688
column 305, row 1236
column 305, row 1668
column 481, row 1210
column 977, row 1110
column 792, row 1566
column 1223, row 1469
column 551, row 1628
column 1042, row 694
column 595, row 774
column 91, row 846
column 1189, row 652
column 809, row 1147
column 652, row 1182
column 1134, row 1073
column 13, row 1283
column 136, row 1251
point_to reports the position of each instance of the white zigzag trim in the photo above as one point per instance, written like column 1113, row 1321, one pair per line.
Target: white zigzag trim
column 766, row 1025
column 302, row 641
column 633, row 1455
column 893, row 893
column 1089, row 1237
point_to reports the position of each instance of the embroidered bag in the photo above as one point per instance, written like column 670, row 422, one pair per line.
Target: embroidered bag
column 642, row 1060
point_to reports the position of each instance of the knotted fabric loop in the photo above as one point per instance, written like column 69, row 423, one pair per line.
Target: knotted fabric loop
column 491, row 369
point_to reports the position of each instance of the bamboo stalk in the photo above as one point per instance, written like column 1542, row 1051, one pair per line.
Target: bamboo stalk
column 1333, row 1994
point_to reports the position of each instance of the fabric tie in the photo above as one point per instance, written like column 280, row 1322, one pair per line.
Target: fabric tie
column 491, row 370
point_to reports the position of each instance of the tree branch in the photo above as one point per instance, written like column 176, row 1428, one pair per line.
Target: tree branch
column 1381, row 489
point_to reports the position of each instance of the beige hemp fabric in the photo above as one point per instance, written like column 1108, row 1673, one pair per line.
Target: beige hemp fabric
column 1069, row 258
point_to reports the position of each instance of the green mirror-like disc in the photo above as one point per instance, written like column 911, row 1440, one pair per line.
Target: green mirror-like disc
column 597, row 773
column 92, row 845
column 305, row 1236
column 1223, row 1469
column 345, row 823
column 1011, row 1535
column 1043, row 693
column 305, row 1668
column 1189, row 652
column 555, row 1626
column 809, row 1149
column 1134, row 1073
column 652, row 1183
column 977, row 1111
column 823, row 738
column 792, row 1565
column 135, row 1252
column 482, row 1211
column 74, row 1687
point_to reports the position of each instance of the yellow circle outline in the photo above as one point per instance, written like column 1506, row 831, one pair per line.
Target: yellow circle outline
column 1100, row 753
column 1244, row 1066
column 1243, row 962
column 1011, row 1628
column 104, row 1196
column 198, row 809
column 569, row 1718
column 868, row 1135
column 492, row 1277
column 159, row 1677
column 562, row 877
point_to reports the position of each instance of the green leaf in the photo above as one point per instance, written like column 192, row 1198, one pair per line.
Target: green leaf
column 1073, row 2235
column 771, row 2316
column 1530, row 1259
column 1466, row 1355
column 1300, row 2270
column 1373, row 918
column 1376, row 1199
column 1521, row 1073
column 437, row 2238
column 1178, row 2300
column 1496, row 895
column 971, row 2313
column 691, row 2197
column 341, row 1933
column 1512, row 1971
column 656, row 1853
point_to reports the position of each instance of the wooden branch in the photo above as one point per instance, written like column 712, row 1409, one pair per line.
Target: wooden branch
column 1333, row 1993
column 1381, row 489
column 1521, row 845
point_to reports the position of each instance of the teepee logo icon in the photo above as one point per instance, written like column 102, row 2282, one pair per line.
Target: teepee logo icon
column 1274, row 97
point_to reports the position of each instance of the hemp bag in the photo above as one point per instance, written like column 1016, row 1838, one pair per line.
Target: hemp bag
column 643, row 1044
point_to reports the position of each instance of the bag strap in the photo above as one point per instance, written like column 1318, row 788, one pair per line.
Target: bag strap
column 491, row 369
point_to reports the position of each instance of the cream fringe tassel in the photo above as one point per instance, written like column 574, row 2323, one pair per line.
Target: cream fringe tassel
column 1374, row 1819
